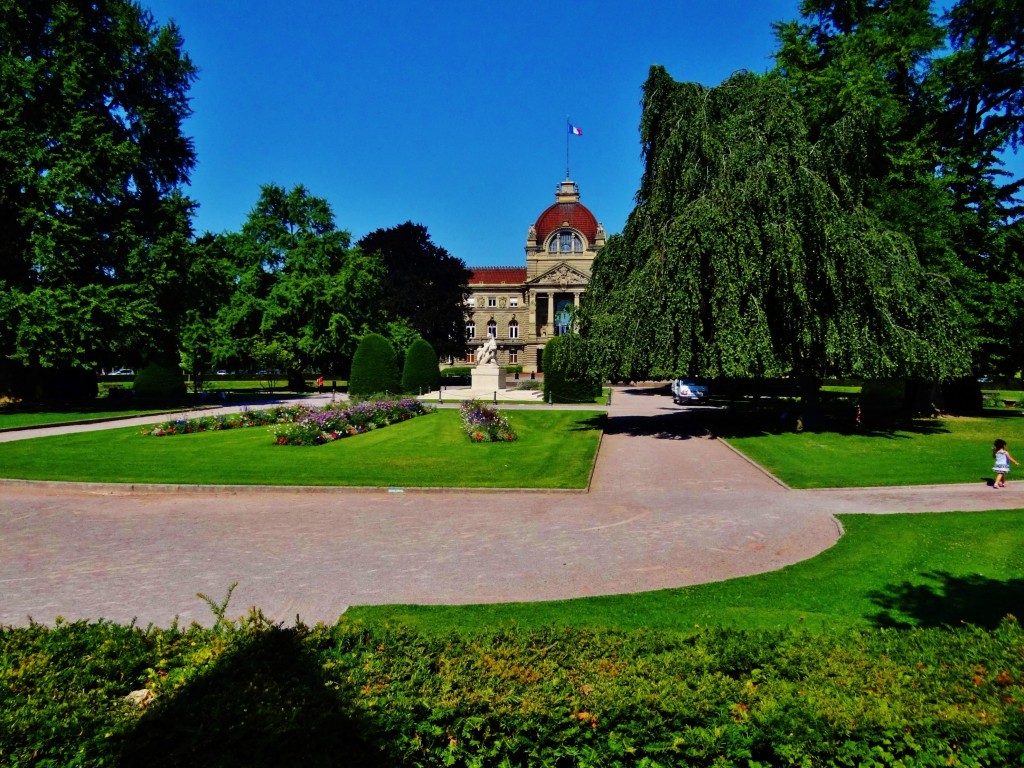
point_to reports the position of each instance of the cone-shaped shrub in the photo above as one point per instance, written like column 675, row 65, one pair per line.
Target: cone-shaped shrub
column 561, row 384
column 159, row 380
column 421, row 371
column 374, row 367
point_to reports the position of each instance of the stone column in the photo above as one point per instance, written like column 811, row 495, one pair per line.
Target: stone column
column 550, row 325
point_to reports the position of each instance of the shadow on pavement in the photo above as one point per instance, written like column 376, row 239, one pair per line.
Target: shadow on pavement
column 678, row 425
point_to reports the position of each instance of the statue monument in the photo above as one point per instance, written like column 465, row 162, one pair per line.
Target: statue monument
column 488, row 376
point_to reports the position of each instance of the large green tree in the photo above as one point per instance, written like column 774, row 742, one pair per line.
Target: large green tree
column 299, row 283
column 425, row 287
column 92, row 160
column 751, row 252
column 943, row 99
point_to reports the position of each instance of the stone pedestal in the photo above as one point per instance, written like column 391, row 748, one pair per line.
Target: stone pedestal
column 488, row 378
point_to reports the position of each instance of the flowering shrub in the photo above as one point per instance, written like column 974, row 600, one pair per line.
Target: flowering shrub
column 244, row 418
column 302, row 424
column 484, row 424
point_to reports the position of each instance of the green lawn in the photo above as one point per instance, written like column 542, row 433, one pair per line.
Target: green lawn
column 934, row 451
column 887, row 570
column 556, row 449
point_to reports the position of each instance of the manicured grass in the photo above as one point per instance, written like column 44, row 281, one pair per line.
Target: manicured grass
column 556, row 449
column 934, row 451
column 887, row 570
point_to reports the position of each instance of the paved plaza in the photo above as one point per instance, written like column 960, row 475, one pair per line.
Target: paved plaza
column 668, row 507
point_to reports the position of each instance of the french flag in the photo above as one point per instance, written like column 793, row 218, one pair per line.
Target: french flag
column 574, row 130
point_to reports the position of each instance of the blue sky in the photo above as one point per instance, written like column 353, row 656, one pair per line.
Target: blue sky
column 451, row 114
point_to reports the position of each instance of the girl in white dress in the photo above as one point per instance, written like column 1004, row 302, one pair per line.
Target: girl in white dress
column 1002, row 465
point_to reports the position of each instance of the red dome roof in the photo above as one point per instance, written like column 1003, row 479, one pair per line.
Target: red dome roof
column 575, row 215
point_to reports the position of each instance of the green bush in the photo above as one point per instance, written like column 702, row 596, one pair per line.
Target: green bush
column 457, row 371
column 420, row 372
column 248, row 692
column 159, row 381
column 561, row 383
column 374, row 367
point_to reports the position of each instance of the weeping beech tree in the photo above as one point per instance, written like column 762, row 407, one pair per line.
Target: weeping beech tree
column 750, row 252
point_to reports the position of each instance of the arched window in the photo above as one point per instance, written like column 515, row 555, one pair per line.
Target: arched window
column 492, row 329
column 565, row 241
column 470, row 330
column 513, row 329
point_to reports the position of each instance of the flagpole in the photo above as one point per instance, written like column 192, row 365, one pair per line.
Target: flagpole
column 567, row 177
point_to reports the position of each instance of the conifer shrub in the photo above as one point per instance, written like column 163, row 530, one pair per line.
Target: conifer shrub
column 159, row 381
column 420, row 372
column 374, row 367
column 563, row 384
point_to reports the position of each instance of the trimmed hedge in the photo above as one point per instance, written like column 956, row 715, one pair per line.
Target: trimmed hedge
column 562, row 385
column 374, row 367
column 159, row 381
column 252, row 693
column 420, row 371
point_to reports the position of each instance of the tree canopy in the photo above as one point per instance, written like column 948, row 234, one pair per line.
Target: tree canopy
column 299, row 283
column 92, row 159
column 751, row 251
column 942, row 99
column 424, row 287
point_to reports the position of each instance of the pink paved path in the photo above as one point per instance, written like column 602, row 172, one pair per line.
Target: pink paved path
column 665, row 509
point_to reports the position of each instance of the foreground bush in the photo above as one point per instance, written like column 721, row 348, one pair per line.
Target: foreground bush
column 252, row 693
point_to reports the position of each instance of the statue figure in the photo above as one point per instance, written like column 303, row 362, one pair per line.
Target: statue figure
column 489, row 352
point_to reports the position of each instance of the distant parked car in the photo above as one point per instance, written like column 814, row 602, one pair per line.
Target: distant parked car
column 122, row 372
column 222, row 373
column 688, row 392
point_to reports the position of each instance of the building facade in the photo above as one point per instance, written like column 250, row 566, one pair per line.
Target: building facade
column 522, row 307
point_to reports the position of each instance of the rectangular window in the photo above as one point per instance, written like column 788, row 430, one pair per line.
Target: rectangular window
column 470, row 356
column 492, row 301
column 513, row 301
column 513, row 356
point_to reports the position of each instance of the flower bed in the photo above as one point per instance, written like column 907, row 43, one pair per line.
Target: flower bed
column 484, row 424
column 301, row 424
column 245, row 418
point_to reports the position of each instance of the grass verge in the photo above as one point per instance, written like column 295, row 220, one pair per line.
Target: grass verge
column 13, row 419
column 905, row 570
column 556, row 449
column 932, row 451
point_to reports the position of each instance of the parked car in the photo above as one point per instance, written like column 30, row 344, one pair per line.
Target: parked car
column 688, row 392
column 122, row 372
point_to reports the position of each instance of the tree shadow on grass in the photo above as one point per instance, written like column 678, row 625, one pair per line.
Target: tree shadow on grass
column 736, row 423
column 599, row 422
column 948, row 601
column 265, row 703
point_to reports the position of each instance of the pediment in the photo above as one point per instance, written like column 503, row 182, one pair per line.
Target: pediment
column 561, row 275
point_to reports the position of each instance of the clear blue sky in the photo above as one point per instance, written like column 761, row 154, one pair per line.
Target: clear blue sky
column 451, row 114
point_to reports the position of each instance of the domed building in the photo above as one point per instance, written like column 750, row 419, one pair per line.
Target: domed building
column 522, row 307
